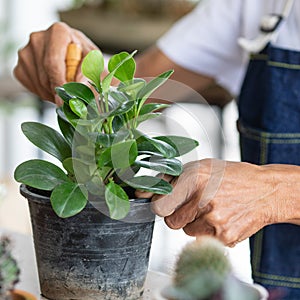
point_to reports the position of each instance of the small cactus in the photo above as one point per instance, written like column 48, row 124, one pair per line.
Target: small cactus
column 9, row 271
column 201, row 268
column 204, row 272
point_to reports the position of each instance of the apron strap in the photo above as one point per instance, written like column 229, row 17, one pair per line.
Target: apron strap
column 269, row 28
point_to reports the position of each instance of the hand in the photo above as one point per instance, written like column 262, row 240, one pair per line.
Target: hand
column 230, row 200
column 41, row 64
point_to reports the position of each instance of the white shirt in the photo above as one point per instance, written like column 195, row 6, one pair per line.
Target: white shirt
column 205, row 41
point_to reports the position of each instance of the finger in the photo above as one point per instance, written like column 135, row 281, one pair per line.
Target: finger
column 164, row 205
column 199, row 227
column 187, row 213
column 55, row 54
column 27, row 74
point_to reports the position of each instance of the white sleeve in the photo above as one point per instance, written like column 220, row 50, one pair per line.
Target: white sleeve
column 205, row 41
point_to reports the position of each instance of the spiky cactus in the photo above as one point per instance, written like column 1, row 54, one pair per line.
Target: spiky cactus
column 204, row 272
column 9, row 271
column 201, row 268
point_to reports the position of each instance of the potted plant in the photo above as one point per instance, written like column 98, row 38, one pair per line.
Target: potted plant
column 92, row 240
column 9, row 274
column 204, row 272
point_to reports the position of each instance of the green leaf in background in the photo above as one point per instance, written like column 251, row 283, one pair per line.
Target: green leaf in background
column 92, row 67
column 117, row 201
column 181, row 144
column 40, row 174
column 124, row 71
column 47, row 139
column 169, row 166
column 68, row 199
column 150, row 184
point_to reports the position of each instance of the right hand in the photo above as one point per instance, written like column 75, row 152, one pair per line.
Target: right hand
column 41, row 63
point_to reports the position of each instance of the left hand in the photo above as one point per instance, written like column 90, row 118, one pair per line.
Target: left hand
column 230, row 200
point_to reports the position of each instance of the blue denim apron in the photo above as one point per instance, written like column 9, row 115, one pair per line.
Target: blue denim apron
column 269, row 125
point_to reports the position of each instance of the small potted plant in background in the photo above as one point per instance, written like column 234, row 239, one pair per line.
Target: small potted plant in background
column 92, row 239
column 204, row 272
column 9, row 274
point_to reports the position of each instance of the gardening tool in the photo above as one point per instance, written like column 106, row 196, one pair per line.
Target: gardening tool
column 73, row 58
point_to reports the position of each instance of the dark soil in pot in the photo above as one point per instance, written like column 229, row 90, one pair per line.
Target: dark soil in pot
column 90, row 256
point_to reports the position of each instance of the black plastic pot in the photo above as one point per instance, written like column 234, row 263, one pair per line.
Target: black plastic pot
column 90, row 256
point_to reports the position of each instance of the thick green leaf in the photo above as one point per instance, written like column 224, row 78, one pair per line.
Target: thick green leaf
column 96, row 187
column 106, row 82
column 106, row 140
column 47, row 139
column 92, row 67
column 80, row 91
column 121, row 175
column 68, row 199
column 146, row 143
column 117, row 201
column 182, row 145
column 78, row 108
column 126, row 70
column 169, row 166
column 117, row 97
column 150, row 107
column 119, row 123
column 142, row 118
column 150, row 184
column 132, row 87
column 122, row 109
column 40, row 174
column 152, row 85
column 120, row 155
column 81, row 170
column 60, row 91
column 66, row 128
column 71, row 117
column 75, row 120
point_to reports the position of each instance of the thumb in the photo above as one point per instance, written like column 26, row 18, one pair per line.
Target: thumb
column 165, row 205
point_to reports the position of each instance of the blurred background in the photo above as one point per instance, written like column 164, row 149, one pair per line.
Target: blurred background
column 142, row 23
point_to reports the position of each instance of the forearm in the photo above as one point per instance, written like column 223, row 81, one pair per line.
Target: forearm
column 286, row 181
column 185, row 85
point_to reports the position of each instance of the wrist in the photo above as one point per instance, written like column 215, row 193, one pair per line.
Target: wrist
column 284, row 199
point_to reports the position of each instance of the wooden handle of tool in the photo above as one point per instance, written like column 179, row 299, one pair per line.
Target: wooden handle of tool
column 73, row 59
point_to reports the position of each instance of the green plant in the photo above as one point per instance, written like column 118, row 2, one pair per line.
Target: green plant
column 204, row 272
column 100, row 147
column 9, row 271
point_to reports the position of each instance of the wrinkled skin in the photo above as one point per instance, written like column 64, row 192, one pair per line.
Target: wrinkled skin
column 41, row 63
column 230, row 200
